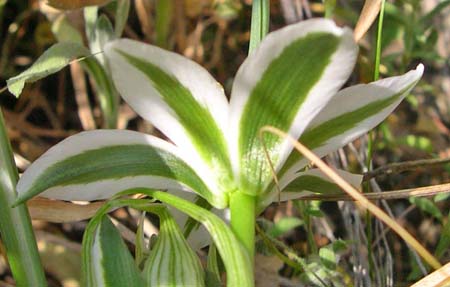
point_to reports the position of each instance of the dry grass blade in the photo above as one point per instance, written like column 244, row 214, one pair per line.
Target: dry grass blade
column 368, row 15
column 356, row 195
column 404, row 166
column 61, row 211
column 81, row 96
column 74, row 4
column 439, row 278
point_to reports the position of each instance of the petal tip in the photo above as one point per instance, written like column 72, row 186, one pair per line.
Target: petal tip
column 420, row 69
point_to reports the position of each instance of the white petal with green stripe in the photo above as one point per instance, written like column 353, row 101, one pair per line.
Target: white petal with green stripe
column 97, row 164
column 312, row 181
column 353, row 112
column 285, row 83
column 179, row 97
column 172, row 262
column 111, row 262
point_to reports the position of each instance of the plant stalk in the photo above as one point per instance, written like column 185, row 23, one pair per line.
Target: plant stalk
column 15, row 223
column 260, row 22
column 243, row 219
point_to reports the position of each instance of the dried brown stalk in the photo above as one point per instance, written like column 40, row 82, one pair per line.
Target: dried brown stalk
column 404, row 166
column 386, row 195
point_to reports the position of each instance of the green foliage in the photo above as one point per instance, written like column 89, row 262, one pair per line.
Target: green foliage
column 54, row 59
column 284, row 225
column 427, row 206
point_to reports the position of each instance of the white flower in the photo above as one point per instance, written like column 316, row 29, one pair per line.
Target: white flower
column 291, row 81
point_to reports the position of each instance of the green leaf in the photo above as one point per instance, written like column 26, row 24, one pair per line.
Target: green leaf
column 97, row 164
column 141, row 250
column 444, row 240
column 328, row 257
column 172, row 262
column 110, row 260
column 164, row 10
column 122, row 11
column 212, row 268
column 284, row 225
column 179, row 98
column 65, row 32
column 329, row 254
column 105, row 91
column 54, row 59
column 427, row 206
column 284, row 83
column 417, row 142
column 90, row 21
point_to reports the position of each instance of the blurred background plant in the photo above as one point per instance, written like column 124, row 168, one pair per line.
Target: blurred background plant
column 302, row 243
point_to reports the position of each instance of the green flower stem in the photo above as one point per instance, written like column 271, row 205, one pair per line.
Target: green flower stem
column 243, row 218
column 15, row 223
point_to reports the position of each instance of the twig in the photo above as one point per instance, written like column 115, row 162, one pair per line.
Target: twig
column 81, row 96
column 404, row 166
column 387, row 195
column 25, row 127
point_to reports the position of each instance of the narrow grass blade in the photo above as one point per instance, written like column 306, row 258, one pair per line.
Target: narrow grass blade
column 164, row 11
column 122, row 11
column 15, row 224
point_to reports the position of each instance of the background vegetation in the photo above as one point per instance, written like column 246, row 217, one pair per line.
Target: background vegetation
column 301, row 243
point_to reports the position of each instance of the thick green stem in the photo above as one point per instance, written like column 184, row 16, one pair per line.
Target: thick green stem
column 243, row 218
column 15, row 223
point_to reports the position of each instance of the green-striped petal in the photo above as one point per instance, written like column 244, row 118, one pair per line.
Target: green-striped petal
column 285, row 83
column 97, row 164
column 179, row 97
column 172, row 262
column 111, row 262
column 351, row 113
column 305, row 183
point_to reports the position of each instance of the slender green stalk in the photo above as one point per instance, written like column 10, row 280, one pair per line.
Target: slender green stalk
column 370, row 143
column 243, row 218
column 15, row 223
column 376, row 75
column 163, row 19
column 330, row 5
column 260, row 22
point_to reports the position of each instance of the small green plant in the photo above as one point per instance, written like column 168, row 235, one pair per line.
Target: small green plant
column 291, row 81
